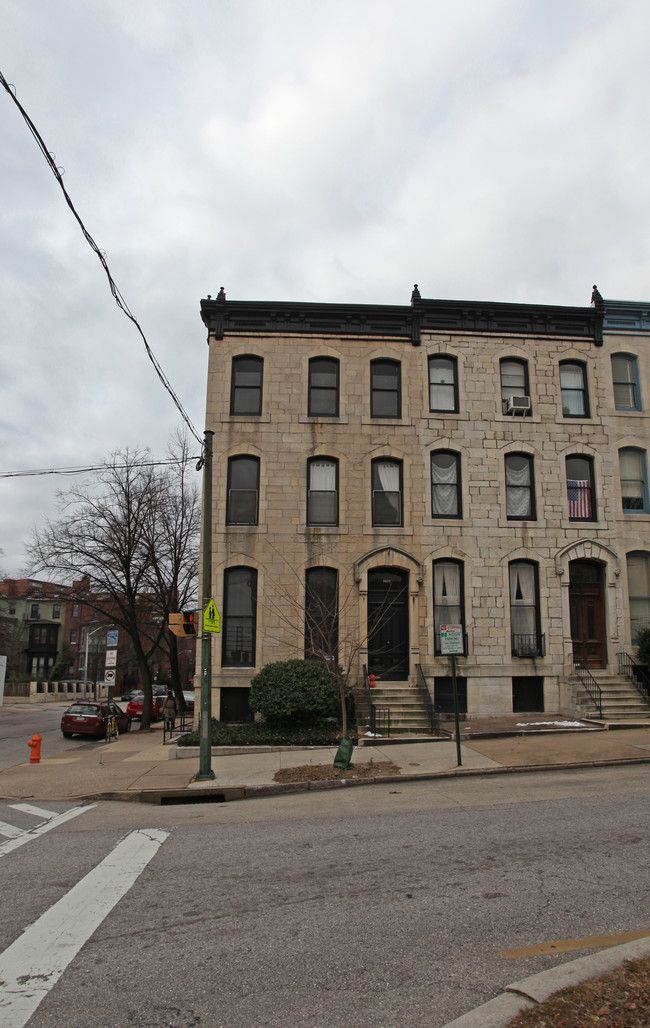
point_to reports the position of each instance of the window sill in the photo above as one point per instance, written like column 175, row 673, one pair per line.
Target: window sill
column 387, row 530
column 323, row 419
column 387, row 422
column 253, row 419
column 242, row 529
column 326, row 530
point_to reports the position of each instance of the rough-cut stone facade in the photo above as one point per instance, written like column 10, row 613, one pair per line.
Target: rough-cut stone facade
column 281, row 547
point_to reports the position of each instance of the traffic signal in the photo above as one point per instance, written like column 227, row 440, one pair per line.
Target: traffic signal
column 175, row 622
column 189, row 622
column 183, row 624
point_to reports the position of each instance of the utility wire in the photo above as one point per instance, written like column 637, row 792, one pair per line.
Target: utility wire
column 96, row 467
column 119, row 299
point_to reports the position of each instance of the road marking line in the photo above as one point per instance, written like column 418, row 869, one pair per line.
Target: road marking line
column 33, row 964
column 33, row 833
column 27, row 808
column 566, row 945
column 10, row 830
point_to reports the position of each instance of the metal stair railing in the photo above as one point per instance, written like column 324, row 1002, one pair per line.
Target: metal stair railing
column 594, row 691
column 423, row 686
column 629, row 667
column 378, row 717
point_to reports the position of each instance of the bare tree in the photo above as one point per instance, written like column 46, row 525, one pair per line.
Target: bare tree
column 101, row 545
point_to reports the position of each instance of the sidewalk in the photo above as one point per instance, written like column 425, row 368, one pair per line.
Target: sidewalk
column 137, row 766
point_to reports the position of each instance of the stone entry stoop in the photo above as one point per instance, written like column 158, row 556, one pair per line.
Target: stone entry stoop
column 407, row 711
column 622, row 699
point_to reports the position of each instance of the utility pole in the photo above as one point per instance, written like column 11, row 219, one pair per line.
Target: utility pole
column 205, row 771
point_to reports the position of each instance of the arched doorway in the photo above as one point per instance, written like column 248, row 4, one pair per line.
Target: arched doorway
column 587, row 612
column 388, row 624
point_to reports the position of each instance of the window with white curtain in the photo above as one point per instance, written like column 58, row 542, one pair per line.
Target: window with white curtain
column 447, row 596
column 638, row 589
column 443, row 384
column 580, row 488
column 634, row 480
column 445, row 484
column 514, row 380
column 524, row 609
column 519, row 487
column 625, row 379
column 322, row 491
column 573, row 383
column 387, row 492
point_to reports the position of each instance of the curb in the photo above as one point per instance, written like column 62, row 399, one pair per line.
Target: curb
column 211, row 793
column 530, row 992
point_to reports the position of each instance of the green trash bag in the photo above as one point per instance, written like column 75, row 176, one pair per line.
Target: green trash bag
column 343, row 754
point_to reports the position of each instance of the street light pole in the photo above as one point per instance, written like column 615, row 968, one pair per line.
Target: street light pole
column 205, row 771
column 88, row 635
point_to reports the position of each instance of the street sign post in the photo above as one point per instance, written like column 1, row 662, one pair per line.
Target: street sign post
column 453, row 644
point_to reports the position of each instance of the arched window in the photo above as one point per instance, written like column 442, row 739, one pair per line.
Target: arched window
column 387, row 492
column 246, row 385
column 580, row 488
column 443, row 384
column 625, row 378
column 573, row 383
column 520, row 492
column 634, row 480
column 243, row 490
column 385, row 389
column 323, row 399
column 526, row 637
column 321, row 614
column 239, row 617
column 445, row 484
column 448, row 597
column 515, row 390
column 322, row 491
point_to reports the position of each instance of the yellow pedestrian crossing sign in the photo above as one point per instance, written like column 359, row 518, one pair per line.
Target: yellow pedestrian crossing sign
column 211, row 618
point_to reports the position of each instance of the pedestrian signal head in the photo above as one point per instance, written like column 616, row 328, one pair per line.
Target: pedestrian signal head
column 189, row 622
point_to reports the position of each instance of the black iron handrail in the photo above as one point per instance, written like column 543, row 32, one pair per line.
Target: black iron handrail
column 423, row 686
column 629, row 667
column 591, row 685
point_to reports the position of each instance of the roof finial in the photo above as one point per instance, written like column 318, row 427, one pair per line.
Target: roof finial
column 415, row 295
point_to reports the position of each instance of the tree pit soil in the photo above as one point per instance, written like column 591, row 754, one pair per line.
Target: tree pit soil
column 327, row 772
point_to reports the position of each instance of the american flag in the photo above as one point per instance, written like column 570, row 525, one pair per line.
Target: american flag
column 579, row 499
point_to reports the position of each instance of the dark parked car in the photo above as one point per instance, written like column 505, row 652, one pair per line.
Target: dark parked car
column 134, row 707
column 130, row 694
column 89, row 718
column 188, row 696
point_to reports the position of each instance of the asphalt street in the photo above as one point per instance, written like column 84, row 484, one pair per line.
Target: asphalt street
column 393, row 907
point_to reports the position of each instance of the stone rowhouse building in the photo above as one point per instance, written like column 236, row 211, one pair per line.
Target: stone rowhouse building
column 442, row 462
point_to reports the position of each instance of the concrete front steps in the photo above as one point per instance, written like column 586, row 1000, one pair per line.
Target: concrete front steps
column 408, row 714
column 622, row 699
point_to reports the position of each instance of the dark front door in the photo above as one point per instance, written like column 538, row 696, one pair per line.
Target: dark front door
column 388, row 624
column 587, row 610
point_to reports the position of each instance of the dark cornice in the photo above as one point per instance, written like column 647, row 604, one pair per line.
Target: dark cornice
column 222, row 317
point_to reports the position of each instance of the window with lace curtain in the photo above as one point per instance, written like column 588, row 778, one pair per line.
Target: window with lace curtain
column 524, row 609
column 520, row 498
column 387, row 492
column 448, row 603
column 573, row 383
column 634, row 480
column 322, row 491
column 445, row 484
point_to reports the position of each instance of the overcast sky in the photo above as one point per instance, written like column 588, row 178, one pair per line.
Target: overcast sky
column 291, row 150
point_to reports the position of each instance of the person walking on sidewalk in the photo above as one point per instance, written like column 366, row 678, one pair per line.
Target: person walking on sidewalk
column 170, row 709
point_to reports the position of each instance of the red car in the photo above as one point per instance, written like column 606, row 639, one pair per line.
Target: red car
column 134, row 707
column 89, row 718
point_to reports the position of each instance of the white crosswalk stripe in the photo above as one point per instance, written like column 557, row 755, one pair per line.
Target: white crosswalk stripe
column 50, row 819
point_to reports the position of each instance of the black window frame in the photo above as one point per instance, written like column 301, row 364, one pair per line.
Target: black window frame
column 631, row 361
column 526, row 644
column 237, row 390
column 383, row 365
column 439, row 608
column 457, row 484
column 530, row 486
column 452, row 387
column 235, row 463
column 332, row 391
column 246, row 622
column 321, row 617
column 311, row 521
column 376, row 491
column 639, row 452
column 568, row 391
column 508, row 391
column 590, row 490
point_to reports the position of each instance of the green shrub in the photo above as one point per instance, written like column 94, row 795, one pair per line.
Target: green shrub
column 263, row 734
column 643, row 642
column 294, row 692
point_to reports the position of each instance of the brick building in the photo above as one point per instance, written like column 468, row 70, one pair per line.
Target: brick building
column 442, row 462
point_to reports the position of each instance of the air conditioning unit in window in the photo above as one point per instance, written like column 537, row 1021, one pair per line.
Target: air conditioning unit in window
column 517, row 404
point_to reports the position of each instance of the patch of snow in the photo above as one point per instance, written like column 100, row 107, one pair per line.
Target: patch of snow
column 373, row 735
column 560, row 724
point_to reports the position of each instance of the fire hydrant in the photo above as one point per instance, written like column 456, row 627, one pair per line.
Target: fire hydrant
column 35, row 746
